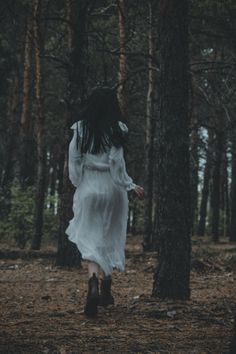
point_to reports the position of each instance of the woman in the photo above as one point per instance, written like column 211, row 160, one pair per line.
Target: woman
column 100, row 205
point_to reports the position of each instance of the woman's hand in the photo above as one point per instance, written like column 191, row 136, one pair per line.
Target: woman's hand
column 139, row 191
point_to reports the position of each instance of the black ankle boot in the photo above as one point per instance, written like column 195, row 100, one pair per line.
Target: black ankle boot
column 90, row 308
column 105, row 297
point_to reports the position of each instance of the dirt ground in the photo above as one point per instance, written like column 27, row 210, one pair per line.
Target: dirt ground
column 42, row 306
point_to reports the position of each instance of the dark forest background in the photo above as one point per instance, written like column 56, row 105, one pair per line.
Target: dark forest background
column 52, row 53
column 173, row 65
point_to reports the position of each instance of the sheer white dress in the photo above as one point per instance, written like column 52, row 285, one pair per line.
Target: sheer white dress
column 100, row 203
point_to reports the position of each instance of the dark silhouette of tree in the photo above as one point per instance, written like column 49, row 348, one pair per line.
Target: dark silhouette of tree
column 171, row 279
column 67, row 254
column 216, row 177
column 233, row 190
column 206, row 186
column 122, row 73
column 27, row 156
column 40, row 126
column 148, row 241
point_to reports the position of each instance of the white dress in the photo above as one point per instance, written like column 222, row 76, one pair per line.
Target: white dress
column 100, row 203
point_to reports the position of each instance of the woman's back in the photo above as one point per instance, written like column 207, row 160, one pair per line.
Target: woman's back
column 100, row 204
column 101, row 160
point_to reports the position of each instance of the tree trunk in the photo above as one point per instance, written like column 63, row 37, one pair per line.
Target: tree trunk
column 27, row 156
column 216, row 186
column 122, row 58
column 224, row 197
column 40, row 129
column 68, row 254
column 11, row 149
column 172, row 276
column 134, row 218
column 150, row 133
column 60, row 171
column 205, row 189
column 52, row 179
column 194, row 164
column 232, row 235
column 227, row 203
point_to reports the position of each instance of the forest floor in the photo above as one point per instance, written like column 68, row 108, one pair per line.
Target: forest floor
column 42, row 306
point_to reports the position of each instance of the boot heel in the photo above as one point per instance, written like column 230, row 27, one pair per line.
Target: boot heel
column 106, row 297
column 91, row 306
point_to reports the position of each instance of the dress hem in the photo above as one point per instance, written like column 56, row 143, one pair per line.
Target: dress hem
column 95, row 259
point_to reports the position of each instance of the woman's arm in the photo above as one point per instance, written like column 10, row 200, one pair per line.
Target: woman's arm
column 75, row 163
column 118, row 169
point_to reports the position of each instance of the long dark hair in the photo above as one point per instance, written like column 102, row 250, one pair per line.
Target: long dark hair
column 100, row 118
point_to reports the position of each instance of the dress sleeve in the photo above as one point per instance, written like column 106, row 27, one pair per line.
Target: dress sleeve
column 75, row 163
column 118, row 169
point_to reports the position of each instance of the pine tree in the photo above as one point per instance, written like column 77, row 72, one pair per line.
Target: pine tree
column 171, row 279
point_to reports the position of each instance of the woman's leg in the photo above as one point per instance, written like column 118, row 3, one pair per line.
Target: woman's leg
column 93, row 268
column 106, row 297
column 102, row 274
column 90, row 308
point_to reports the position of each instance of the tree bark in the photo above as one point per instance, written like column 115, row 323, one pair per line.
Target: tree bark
column 205, row 190
column 11, row 149
column 52, row 179
column 122, row 58
column 172, row 276
column 40, row 129
column 232, row 235
column 148, row 243
column 27, row 156
column 224, row 191
column 68, row 254
column 61, row 159
column 227, row 206
column 216, row 185
column 194, row 164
